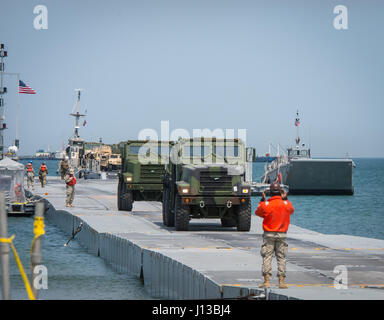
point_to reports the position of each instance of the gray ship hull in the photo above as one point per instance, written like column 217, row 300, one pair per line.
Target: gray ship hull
column 316, row 176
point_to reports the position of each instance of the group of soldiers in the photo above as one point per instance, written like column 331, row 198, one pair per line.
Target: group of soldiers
column 43, row 172
column 67, row 174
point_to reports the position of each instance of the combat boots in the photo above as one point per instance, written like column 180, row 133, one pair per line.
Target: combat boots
column 266, row 283
column 282, row 285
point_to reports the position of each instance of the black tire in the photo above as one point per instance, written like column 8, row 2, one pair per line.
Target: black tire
column 244, row 216
column 168, row 218
column 181, row 215
column 119, row 206
column 125, row 198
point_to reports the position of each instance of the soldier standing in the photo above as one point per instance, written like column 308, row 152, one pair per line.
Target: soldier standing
column 276, row 212
column 70, row 181
column 30, row 175
column 43, row 174
column 63, row 167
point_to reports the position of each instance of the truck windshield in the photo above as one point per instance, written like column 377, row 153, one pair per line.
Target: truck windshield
column 138, row 150
column 227, row 151
column 196, row 151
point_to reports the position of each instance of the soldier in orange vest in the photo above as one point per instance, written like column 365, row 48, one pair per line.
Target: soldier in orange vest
column 276, row 212
column 43, row 174
column 30, row 175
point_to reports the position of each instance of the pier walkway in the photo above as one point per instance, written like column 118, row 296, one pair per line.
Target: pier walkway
column 209, row 261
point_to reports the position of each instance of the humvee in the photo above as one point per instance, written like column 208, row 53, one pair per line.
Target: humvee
column 142, row 171
column 205, row 178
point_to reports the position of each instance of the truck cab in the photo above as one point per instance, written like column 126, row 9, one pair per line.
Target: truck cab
column 205, row 178
column 142, row 171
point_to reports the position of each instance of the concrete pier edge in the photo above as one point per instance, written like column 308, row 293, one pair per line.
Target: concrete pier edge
column 163, row 276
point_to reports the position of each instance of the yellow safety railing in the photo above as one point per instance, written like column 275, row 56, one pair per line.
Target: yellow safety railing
column 31, row 296
column 38, row 231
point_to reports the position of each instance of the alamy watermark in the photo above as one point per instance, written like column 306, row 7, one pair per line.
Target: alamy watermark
column 340, row 22
column 203, row 144
column 40, row 280
column 41, row 20
column 341, row 280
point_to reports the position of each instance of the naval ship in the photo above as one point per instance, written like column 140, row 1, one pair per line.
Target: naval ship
column 305, row 175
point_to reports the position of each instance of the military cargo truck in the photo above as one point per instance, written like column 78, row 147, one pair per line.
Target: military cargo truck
column 205, row 179
column 142, row 172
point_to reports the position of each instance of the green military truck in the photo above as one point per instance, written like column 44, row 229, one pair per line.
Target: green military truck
column 142, row 172
column 205, row 179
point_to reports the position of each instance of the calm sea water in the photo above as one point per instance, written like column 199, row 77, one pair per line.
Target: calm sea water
column 360, row 215
column 52, row 165
column 73, row 273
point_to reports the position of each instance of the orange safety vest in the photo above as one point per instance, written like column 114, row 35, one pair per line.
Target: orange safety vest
column 276, row 213
column 43, row 167
column 72, row 182
column 29, row 167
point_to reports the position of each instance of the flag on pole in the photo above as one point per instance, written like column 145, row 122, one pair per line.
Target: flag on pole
column 23, row 88
column 84, row 123
column 297, row 120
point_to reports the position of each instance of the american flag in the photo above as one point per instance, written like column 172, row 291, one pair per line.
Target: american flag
column 23, row 88
column 297, row 120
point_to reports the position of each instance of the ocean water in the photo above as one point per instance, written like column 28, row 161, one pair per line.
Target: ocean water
column 73, row 273
column 360, row 215
column 52, row 165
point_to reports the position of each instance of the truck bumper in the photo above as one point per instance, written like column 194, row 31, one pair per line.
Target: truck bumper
column 142, row 187
column 214, row 201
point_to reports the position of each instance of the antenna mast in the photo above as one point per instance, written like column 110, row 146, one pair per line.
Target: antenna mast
column 76, row 113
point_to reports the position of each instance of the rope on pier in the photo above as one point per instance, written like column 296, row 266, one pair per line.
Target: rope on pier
column 20, row 265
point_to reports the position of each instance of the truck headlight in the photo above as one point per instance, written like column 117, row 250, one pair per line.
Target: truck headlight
column 129, row 179
column 185, row 190
column 245, row 190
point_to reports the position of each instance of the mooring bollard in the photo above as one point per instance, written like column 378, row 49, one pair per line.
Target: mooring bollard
column 4, row 250
column 38, row 230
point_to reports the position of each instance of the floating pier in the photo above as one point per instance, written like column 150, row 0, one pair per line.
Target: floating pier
column 209, row 261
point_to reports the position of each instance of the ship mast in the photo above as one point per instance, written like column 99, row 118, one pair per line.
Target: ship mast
column 3, row 90
column 76, row 113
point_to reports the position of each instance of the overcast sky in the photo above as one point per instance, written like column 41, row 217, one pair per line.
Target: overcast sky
column 199, row 64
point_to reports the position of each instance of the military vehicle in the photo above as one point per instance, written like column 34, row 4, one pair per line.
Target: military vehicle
column 142, row 171
column 205, row 179
column 114, row 162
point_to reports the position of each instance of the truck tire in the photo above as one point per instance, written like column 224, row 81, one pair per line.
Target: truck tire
column 125, row 198
column 168, row 218
column 181, row 215
column 119, row 195
column 244, row 216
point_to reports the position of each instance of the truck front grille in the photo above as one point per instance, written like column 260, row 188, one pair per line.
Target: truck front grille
column 152, row 173
column 217, row 181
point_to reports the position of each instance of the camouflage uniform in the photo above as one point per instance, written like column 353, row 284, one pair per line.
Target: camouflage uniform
column 63, row 168
column 43, row 177
column 30, row 179
column 274, row 242
column 70, row 190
